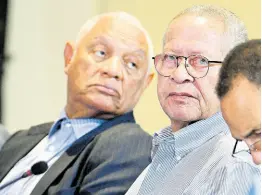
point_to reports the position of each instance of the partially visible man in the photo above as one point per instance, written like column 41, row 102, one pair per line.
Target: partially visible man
column 3, row 135
column 95, row 146
column 193, row 155
column 239, row 89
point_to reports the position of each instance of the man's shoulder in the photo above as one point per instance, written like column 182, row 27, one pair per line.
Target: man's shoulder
column 232, row 164
column 130, row 130
column 226, row 170
column 41, row 129
column 125, row 136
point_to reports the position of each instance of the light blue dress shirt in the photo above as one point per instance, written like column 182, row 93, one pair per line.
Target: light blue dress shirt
column 62, row 135
column 196, row 160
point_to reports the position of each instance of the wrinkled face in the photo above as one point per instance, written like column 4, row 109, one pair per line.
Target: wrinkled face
column 182, row 97
column 108, row 71
column 241, row 110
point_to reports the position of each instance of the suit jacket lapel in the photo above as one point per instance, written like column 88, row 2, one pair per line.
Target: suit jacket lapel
column 15, row 149
column 70, row 155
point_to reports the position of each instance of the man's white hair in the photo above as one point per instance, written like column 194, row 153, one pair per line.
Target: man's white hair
column 235, row 30
column 116, row 15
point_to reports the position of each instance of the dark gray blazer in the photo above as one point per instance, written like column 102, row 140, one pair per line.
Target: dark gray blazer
column 105, row 161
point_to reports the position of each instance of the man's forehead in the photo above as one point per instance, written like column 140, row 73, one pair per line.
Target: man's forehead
column 186, row 47
column 245, row 104
column 194, row 37
column 188, row 33
column 120, row 29
column 192, row 26
column 179, row 45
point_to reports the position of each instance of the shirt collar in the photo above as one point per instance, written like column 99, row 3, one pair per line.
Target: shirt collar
column 191, row 136
column 79, row 125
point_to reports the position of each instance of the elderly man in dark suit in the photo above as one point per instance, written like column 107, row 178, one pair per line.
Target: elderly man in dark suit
column 95, row 146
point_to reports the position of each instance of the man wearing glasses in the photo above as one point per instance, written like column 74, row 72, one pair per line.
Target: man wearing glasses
column 194, row 154
column 239, row 89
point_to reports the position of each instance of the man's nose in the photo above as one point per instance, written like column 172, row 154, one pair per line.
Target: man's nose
column 112, row 67
column 180, row 74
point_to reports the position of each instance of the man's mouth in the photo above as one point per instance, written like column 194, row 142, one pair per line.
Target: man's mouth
column 106, row 89
column 181, row 95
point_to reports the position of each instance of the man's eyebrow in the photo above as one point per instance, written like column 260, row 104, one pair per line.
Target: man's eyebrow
column 192, row 52
column 103, row 40
column 170, row 50
column 99, row 39
column 195, row 51
column 141, row 53
column 250, row 133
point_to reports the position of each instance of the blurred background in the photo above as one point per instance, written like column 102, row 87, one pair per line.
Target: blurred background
column 32, row 38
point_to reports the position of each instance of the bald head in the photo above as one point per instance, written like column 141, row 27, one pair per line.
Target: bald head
column 110, row 20
column 234, row 31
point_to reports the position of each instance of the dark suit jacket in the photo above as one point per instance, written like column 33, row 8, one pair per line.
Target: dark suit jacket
column 105, row 161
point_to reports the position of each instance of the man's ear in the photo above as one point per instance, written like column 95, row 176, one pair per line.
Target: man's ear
column 149, row 79
column 68, row 54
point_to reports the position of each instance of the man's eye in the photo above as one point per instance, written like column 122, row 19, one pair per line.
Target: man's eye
column 198, row 61
column 170, row 57
column 131, row 65
column 255, row 135
column 203, row 61
column 100, row 53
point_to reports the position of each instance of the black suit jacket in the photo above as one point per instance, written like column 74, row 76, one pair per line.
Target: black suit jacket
column 105, row 161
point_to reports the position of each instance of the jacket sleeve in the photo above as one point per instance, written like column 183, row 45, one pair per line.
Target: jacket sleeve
column 116, row 160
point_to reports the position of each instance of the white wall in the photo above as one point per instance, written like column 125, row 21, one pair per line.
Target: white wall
column 34, row 81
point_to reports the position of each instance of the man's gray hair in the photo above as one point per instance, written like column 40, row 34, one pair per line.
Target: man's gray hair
column 235, row 30
column 116, row 15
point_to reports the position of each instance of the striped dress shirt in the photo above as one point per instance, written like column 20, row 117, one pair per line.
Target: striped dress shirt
column 62, row 135
column 196, row 160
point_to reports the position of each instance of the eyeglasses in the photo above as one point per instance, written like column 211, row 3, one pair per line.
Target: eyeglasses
column 197, row 66
column 255, row 146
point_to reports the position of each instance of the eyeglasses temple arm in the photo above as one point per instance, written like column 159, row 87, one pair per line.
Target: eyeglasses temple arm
column 217, row 62
column 235, row 146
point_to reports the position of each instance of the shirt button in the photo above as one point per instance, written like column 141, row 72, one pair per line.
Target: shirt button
column 158, row 167
column 51, row 148
column 52, row 139
column 68, row 125
column 178, row 158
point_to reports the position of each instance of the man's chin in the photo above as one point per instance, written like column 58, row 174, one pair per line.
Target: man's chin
column 101, row 103
column 102, row 107
column 183, row 115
